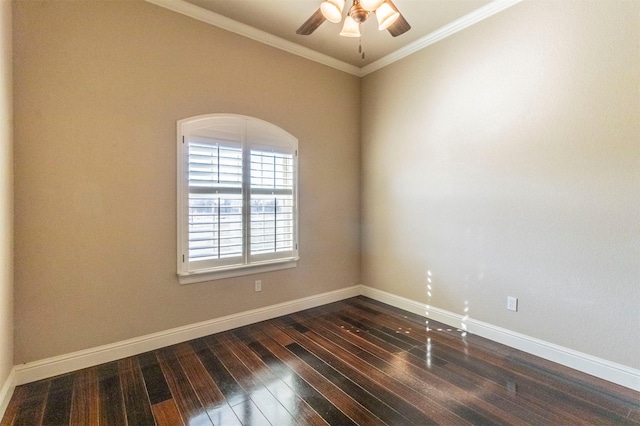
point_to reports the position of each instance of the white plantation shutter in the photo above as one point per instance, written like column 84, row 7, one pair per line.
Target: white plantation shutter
column 215, row 202
column 237, row 196
column 272, row 203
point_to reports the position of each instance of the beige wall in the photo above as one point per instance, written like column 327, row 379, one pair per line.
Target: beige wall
column 98, row 89
column 504, row 160
column 6, row 196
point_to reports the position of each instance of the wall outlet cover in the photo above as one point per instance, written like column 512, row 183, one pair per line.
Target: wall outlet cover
column 512, row 303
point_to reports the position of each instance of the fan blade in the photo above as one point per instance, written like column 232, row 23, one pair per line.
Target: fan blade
column 401, row 25
column 311, row 24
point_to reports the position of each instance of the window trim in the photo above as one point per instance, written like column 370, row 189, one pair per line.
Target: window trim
column 263, row 134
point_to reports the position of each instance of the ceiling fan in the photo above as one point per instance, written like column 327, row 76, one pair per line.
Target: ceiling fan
column 389, row 17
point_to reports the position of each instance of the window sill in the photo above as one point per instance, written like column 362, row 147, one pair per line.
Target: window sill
column 236, row 271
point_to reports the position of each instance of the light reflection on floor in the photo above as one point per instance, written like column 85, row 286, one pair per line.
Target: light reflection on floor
column 433, row 356
column 281, row 390
column 201, row 419
column 429, row 296
column 463, row 330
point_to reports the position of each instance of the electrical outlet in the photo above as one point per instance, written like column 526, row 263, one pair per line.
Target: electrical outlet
column 512, row 303
column 258, row 285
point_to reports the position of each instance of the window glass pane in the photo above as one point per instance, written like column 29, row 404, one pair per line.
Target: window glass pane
column 215, row 226
column 271, row 224
column 237, row 196
column 214, row 166
column 272, row 212
column 215, row 215
column 271, row 170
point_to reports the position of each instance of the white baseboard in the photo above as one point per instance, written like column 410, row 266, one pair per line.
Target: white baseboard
column 66, row 363
column 598, row 367
column 38, row 370
column 7, row 391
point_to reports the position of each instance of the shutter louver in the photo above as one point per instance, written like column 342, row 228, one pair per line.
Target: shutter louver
column 215, row 201
column 272, row 202
column 237, row 197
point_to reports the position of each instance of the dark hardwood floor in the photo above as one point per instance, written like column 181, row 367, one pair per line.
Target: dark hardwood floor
column 353, row 362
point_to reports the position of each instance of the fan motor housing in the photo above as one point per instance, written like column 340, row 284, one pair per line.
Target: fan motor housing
column 358, row 13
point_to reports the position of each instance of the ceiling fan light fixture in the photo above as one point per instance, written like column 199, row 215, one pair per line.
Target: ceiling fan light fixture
column 351, row 28
column 332, row 10
column 358, row 13
column 386, row 16
column 387, row 13
column 371, row 5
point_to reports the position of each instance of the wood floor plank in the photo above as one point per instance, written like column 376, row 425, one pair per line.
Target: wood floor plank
column 189, row 406
column 136, row 400
column 205, row 387
column 58, row 404
column 418, row 357
column 223, row 415
column 346, row 367
column 202, row 383
column 226, row 383
column 323, row 407
column 111, row 400
column 166, row 413
column 328, row 389
column 287, row 397
column 252, row 384
column 619, row 401
column 384, row 404
column 32, row 402
column 494, row 361
column 14, row 404
column 477, row 372
column 381, row 334
column 250, row 414
column 155, row 382
column 85, row 403
column 419, row 377
column 241, row 374
column 351, row 362
column 364, row 363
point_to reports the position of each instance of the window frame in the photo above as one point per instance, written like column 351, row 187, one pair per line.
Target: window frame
column 251, row 135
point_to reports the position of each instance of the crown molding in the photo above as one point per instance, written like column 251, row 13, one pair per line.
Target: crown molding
column 212, row 18
column 453, row 27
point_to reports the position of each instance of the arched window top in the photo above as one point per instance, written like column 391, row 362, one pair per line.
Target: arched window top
column 232, row 126
column 237, row 197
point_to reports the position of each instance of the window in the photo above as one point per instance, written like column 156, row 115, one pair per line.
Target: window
column 237, row 197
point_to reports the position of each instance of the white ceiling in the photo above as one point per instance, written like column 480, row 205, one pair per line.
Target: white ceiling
column 275, row 22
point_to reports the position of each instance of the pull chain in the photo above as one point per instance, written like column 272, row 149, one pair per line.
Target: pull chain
column 360, row 49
